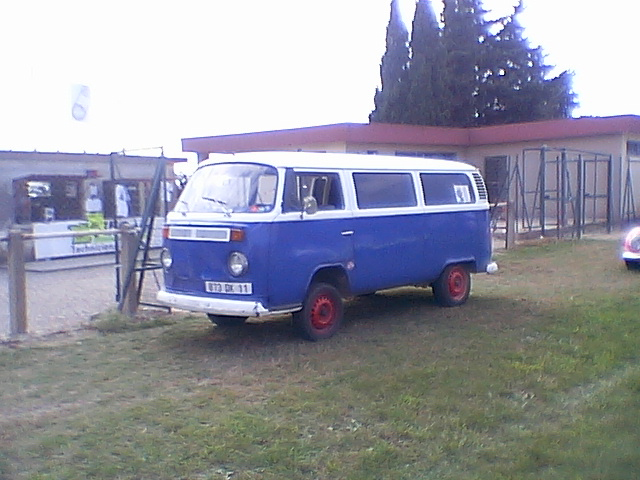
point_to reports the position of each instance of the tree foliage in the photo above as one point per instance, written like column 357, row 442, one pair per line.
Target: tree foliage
column 393, row 71
column 427, row 95
column 466, row 71
column 464, row 35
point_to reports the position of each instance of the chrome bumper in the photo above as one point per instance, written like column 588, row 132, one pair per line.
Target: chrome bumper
column 492, row 267
column 217, row 306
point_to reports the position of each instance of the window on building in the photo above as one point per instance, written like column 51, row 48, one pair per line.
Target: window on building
column 44, row 198
column 633, row 148
column 382, row 190
column 446, row 188
column 496, row 173
column 125, row 198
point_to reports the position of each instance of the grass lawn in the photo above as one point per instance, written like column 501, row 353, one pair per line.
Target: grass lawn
column 536, row 377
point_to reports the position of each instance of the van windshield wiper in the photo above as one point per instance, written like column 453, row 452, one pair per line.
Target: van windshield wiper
column 227, row 211
column 186, row 207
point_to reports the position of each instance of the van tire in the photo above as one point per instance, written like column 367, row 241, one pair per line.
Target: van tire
column 453, row 286
column 226, row 321
column 322, row 313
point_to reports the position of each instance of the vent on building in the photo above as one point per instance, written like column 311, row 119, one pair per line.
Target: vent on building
column 482, row 189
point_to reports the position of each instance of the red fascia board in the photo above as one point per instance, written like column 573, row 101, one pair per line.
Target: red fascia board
column 389, row 133
column 374, row 133
column 555, row 129
column 268, row 140
column 386, row 133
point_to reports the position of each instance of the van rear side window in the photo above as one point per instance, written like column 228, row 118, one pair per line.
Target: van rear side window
column 383, row 190
column 446, row 188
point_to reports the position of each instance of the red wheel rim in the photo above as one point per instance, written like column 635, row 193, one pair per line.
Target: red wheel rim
column 323, row 312
column 457, row 283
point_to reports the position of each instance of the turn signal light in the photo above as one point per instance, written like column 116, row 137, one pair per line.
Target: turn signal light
column 237, row 235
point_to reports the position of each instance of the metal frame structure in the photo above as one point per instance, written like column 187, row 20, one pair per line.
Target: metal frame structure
column 140, row 262
column 558, row 190
column 629, row 213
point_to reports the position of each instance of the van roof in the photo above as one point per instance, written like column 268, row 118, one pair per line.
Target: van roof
column 340, row 161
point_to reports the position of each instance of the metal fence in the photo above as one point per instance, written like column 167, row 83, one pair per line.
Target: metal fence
column 127, row 299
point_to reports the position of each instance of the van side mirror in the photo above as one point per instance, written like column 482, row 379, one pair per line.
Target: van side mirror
column 310, row 205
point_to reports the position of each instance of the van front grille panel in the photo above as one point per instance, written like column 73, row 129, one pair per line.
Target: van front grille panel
column 203, row 234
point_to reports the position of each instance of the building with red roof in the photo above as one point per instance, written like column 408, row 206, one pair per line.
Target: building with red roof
column 607, row 147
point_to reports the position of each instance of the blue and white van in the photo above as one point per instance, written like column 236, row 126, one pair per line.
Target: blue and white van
column 269, row 233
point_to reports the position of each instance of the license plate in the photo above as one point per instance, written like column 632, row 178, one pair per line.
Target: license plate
column 232, row 288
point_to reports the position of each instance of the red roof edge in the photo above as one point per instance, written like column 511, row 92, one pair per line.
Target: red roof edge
column 266, row 140
column 555, row 129
column 387, row 133
column 371, row 133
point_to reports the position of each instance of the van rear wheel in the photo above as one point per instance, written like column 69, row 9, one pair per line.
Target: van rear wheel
column 226, row 321
column 322, row 313
column 453, row 286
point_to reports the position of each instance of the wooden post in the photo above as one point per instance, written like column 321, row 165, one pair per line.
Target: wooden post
column 17, row 284
column 511, row 225
column 129, row 298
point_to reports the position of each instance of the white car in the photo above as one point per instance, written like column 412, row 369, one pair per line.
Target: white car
column 631, row 249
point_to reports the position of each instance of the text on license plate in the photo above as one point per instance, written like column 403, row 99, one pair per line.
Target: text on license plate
column 234, row 288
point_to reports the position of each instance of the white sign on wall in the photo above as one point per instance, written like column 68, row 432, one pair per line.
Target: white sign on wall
column 80, row 245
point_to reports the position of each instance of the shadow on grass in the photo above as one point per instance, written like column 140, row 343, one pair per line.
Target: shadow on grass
column 371, row 318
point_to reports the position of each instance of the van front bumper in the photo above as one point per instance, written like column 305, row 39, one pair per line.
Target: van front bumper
column 220, row 306
column 217, row 306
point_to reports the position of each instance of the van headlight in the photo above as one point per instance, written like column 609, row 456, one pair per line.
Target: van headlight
column 238, row 264
column 166, row 259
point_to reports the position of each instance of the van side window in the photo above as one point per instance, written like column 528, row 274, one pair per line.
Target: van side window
column 446, row 188
column 382, row 190
column 323, row 186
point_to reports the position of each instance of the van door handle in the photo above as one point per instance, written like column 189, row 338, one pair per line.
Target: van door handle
column 347, row 233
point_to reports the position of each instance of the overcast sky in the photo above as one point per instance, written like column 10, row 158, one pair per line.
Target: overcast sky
column 160, row 71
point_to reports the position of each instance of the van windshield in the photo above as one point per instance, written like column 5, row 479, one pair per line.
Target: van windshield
column 228, row 188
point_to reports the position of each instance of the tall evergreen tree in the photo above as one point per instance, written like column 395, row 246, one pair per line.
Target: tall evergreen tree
column 427, row 96
column 513, row 85
column 393, row 71
column 559, row 99
column 463, row 74
column 464, row 35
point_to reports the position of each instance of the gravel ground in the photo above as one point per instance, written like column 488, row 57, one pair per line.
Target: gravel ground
column 64, row 295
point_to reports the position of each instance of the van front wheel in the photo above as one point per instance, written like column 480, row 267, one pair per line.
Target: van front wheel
column 453, row 286
column 322, row 313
